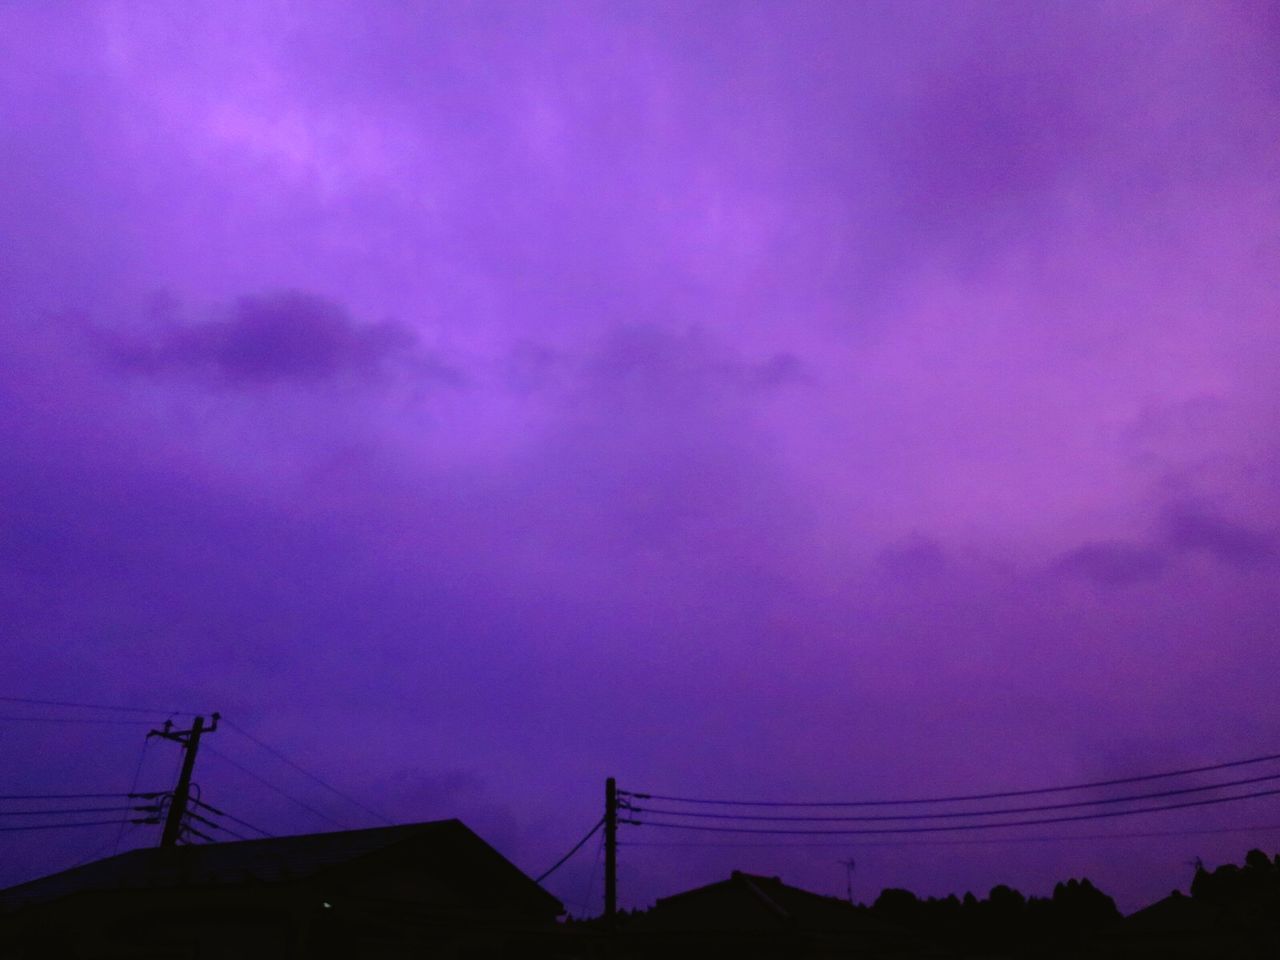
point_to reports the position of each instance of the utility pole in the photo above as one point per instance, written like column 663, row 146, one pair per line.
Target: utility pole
column 610, row 852
column 190, row 741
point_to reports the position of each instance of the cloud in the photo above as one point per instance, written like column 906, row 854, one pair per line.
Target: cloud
column 728, row 333
column 647, row 358
column 1193, row 529
column 1112, row 563
column 283, row 337
column 1186, row 529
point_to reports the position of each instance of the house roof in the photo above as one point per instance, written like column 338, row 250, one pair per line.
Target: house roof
column 1175, row 915
column 748, row 901
column 448, row 846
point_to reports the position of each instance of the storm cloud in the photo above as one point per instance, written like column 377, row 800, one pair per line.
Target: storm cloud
column 478, row 401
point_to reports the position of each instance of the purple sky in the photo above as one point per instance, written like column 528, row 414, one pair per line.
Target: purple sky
column 807, row 400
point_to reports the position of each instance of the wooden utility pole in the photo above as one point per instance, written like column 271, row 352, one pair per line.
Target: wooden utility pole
column 610, row 851
column 190, row 741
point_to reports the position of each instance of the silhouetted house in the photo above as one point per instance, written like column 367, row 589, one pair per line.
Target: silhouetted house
column 1232, row 912
column 1176, row 917
column 426, row 889
column 748, row 915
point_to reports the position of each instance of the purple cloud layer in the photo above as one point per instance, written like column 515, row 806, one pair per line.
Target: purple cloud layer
column 476, row 401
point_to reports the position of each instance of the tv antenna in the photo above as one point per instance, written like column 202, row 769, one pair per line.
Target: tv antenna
column 848, row 876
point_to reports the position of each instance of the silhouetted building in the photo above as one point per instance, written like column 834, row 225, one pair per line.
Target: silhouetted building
column 1233, row 911
column 749, row 915
column 426, row 889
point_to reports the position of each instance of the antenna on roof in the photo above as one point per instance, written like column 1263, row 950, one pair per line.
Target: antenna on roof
column 848, row 876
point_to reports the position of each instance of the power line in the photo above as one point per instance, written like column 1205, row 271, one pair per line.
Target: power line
column 307, row 773
column 267, row 783
column 585, row 903
column 187, row 828
column 42, row 813
column 238, row 836
column 224, row 829
column 229, row 816
column 68, row 826
column 90, row 706
column 137, row 775
column 947, row 841
column 958, row 827
column 958, row 814
column 65, row 796
column 951, row 799
column 88, row 721
column 212, row 823
column 576, row 847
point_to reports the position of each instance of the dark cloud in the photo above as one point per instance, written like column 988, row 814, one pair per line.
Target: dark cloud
column 284, row 337
column 651, row 359
column 1191, row 528
column 1112, row 563
column 637, row 542
column 1187, row 529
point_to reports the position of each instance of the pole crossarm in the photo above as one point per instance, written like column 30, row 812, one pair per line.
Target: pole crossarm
column 174, row 824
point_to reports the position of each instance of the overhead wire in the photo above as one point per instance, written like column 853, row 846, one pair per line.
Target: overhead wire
column 215, row 825
column 1212, row 801
column 64, row 826
column 307, row 773
column 585, row 903
column 187, row 828
column 133, row 787
column 55, row 812
column 576, row 847
column 959, row 797
column 65, row 796
column 267, row 783
column 949, row 841
column 959, row 814
column 90, row 721
column 90, row 706
column 222, row 813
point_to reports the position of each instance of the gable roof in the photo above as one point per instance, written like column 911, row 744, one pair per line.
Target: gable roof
column 750, row 901
column 1175, row 915
column 449, row 845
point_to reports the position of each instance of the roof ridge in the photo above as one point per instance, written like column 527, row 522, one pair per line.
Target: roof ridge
column 767, row 900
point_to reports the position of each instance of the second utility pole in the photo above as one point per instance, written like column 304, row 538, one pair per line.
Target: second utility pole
column 190, row 740
column 610, row 851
